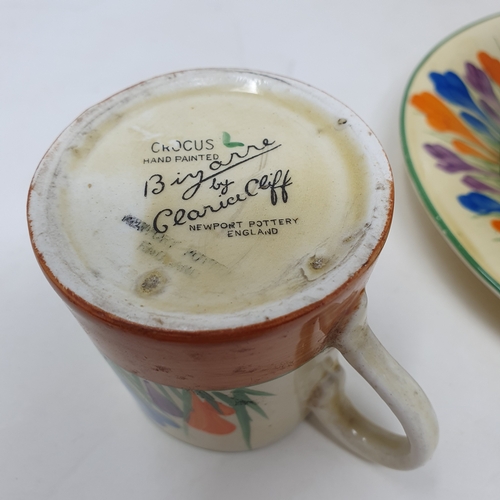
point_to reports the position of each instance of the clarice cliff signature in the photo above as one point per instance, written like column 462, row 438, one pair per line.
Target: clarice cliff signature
column 276, row 183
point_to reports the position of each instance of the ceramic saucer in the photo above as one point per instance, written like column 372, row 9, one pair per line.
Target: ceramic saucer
column 450, row 127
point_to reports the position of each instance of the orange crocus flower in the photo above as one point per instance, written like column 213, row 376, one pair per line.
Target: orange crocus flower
column 206, row 418
column 490, row 65
column 442, row 118
column 464, row 148
column 495, row 224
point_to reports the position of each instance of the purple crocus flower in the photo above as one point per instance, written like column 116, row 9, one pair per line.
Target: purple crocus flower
column 477, row 185
column 489, row 110
column 158, row 417
column 162, row 402
column 448, row 160
column 479, row 81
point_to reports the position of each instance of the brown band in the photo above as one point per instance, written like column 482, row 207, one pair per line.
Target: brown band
column 219, row 359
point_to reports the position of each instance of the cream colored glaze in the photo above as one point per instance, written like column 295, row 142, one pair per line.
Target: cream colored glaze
column 101, row 185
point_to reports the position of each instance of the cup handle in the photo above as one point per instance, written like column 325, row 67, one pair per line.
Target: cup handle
column 394, row 385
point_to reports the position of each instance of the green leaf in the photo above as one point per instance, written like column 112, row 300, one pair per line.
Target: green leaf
column 210, row 400
column 135, row 381
column 257, row 408
column 243, row 399
column 255, row 393
column 187, row 404
column 130, row 380
column 244, row 420
column 224, row 398
column 176, row 391
column 240, row 395
column 226, row 140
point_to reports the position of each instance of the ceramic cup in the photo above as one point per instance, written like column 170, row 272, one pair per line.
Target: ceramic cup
column 213, row 232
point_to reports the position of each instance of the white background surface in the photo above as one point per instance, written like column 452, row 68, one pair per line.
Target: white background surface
column 68, row 429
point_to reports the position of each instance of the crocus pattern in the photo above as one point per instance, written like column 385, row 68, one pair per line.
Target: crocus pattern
column 465, row 110
column 214, row 412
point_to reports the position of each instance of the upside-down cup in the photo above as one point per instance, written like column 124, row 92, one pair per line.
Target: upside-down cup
column 213, row 232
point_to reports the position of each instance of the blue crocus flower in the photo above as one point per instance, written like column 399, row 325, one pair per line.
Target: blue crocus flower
column 450, row 86
column 476, row 124
column 479, row 203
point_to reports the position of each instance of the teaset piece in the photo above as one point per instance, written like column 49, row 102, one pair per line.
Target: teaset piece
column 213, row 232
